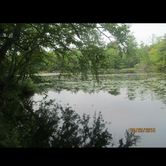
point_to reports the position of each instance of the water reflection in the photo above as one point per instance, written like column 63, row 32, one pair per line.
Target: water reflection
column 127, row 101
column 138, row 85
column 114, row 92
column 56, row 126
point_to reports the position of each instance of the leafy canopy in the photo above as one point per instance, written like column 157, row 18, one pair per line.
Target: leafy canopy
column 24, row 48
column 23, row 45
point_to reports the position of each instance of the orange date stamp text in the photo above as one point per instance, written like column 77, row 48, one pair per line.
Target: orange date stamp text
column 142, row 130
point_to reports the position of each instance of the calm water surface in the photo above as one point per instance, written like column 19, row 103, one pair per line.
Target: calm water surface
column 127, row 101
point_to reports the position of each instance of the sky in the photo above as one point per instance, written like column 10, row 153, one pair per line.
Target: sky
column 142, row 31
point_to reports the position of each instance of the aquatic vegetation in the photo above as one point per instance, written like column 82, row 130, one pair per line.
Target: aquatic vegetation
column 137, row 84
column 127, row 86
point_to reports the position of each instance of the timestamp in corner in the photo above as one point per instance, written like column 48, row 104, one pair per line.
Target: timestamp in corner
column 142, row 130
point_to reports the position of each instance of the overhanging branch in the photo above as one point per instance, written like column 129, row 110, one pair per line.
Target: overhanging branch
column 103, row 33
column 67, row 48
column 75, row 31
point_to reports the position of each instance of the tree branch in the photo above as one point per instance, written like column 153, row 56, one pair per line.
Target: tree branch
column 67, row 48
column 103, row 33
column 25, row 49
column 9, row 43
column 4, row 38
column 20, row 62
column 88, row 26
column 75, row 31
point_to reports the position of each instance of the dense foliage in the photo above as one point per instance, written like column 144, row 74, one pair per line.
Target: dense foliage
column 23, row 49
column 155, row 60
column 77, row 48
column 150, row 58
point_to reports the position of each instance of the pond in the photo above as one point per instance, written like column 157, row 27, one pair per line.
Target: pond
column 128, row 100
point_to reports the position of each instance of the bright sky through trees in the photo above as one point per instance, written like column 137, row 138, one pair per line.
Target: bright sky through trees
column 142, row 31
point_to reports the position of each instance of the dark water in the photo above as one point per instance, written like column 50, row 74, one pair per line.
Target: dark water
column 125, row 100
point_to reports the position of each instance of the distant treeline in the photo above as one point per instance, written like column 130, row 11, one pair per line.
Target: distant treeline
column 148, row 58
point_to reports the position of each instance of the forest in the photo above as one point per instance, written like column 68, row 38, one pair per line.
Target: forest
column 147, row 58
column 27, row 49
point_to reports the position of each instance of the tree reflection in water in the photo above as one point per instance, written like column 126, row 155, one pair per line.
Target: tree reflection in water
column 71, row 130
column 55, row 126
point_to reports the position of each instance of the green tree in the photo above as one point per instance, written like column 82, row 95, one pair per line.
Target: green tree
column 143, row 56
column 23, row 47
column 154, row 57
column 158, row 55
column 23, row 50
column 118, row 59
column 114, row 56
column 114, row 59
column 130, row 56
